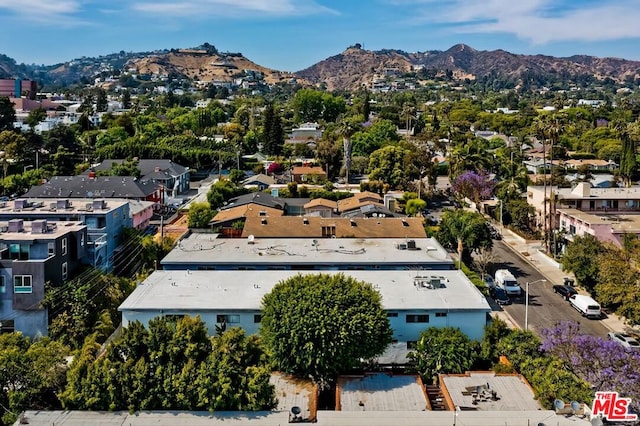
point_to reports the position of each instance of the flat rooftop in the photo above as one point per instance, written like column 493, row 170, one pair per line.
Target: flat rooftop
column 325, row 418
column 53, row 230
column 619, row 222
column 486, row 391
column 207, row 249
column 49, row 206
column 381, row 392
column 219, row 290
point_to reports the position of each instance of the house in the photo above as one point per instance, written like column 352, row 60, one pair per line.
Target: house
column 320, row 207
column 372, row 210
column 606, row 213
column 173, row 177
column 595, row 165
column 259, row 181
column 32, row 254
column 231, row 221
column 413, row 300
column 308, row 174
column 333, row 227
column 358, row 200
column 105, row 220
column 90, row 186
column 257, row 198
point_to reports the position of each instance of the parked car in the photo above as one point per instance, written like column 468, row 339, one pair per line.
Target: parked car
column 624, row 340
column 500, row 296
column 564, row 290
column 495, row 234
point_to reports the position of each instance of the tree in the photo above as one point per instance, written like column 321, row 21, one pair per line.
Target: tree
column 35, row 117
column 580, row 258
column 173, row 365
column 414, row 206
column 628, row 133
column 473, row 185
column 126, row 99
column 200, row 214
column 101, row 100
column 31, row 374
column 442, row 350
column 272, row 132
column 7, row 114
column 464, row 230
column 346, row 129
column 618, row 280
column 393, row 165
column 320, row 325
column 600, row 362
column 11, row 148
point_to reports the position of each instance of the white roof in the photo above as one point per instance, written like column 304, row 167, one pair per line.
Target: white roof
column 208, row 249
column 243, row 290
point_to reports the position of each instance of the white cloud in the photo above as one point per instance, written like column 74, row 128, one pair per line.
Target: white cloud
column 60, row 13
column 228, row 8
column 537, row 21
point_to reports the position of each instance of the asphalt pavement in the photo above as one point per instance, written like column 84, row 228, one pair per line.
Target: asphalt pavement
column 532, row 252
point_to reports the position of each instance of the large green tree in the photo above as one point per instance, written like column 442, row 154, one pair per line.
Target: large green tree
column 7, row 114
column 464, row 230
column 580, row 258
column 394, row 165
column 320, row 325
column 31, row 374
column 173, row 365
column 442, row 350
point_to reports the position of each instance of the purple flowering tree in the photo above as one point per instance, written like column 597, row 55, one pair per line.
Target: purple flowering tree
column 475, row 185
column 606, row 365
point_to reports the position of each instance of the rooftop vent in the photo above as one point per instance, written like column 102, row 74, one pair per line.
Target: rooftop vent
column 305, row 221
column 39, row 227
column 53, row 206
column 16, row 225
column 263, row 221
column 353, row 222
column 20, row 204
column 402, row 246
column 404, row 222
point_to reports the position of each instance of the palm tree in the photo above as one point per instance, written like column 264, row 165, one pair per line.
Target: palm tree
column 347, row 128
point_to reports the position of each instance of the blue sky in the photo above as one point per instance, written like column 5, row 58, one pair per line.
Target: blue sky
column 290, row 35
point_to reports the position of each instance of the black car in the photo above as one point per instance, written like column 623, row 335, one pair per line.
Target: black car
column 565, row 291
column 500, row 296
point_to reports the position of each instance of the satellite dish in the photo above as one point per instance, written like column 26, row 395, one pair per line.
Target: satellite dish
column 314, row 242
column 295, row 410
column 575, row 406
column 559, row 404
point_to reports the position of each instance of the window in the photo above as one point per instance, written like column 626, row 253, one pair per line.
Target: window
column 19, row 251
column 22, row 284
column 230, row 319
column 441, row 314
column 572, row 229
column 3, row 287
column 52, row 249
column 417, row 318
column 328, row 231
column 257, row 318
column 64, row 246
column 392, row 315
column 64, row 271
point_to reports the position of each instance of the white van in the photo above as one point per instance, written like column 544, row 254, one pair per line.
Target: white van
column 506, row 281
column 586, row 306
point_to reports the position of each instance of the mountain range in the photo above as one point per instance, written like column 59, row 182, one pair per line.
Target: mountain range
column 348, row 70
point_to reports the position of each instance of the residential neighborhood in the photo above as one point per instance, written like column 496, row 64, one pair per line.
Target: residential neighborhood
column 188, row 237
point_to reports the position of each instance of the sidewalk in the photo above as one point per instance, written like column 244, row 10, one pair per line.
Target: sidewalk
column 533, row 253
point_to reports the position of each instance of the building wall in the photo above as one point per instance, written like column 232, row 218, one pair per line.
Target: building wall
column 470, row 322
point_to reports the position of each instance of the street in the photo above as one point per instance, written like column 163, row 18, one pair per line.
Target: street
column 545, row 307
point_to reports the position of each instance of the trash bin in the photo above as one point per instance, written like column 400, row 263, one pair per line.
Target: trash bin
column 568, row 281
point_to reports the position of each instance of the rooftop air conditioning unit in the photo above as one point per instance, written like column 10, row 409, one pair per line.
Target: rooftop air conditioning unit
column 411, row 245
column 402, row 246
